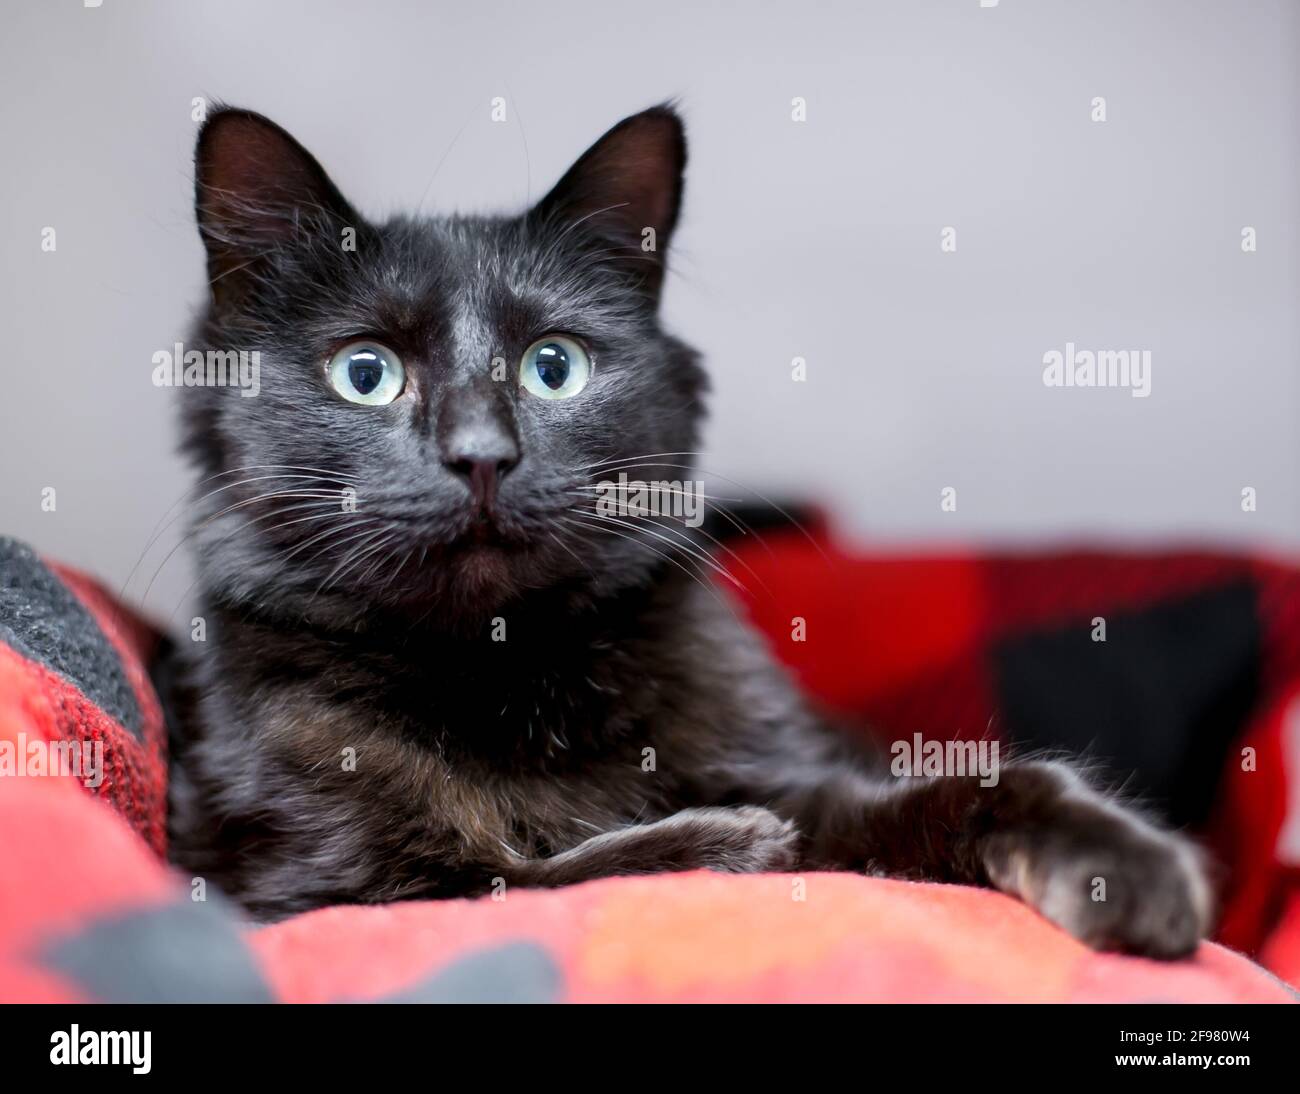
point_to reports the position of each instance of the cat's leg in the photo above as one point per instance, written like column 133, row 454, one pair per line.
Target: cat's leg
column 740, row 839
column 1041, row 833
column 745, row 839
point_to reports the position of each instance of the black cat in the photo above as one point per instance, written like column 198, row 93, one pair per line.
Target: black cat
column 433, row 667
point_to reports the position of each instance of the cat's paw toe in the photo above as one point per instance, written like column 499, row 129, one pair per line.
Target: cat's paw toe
column 749, row 840
column 1135, row 890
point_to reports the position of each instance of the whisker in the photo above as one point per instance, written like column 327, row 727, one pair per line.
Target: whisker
column 761, row 497
column 158, row 528
column 397, row 570
column 228, row 535
column 699, row 555
column 611, row 461
column 312, row 558
column 670, row 490
column 715, row 502
column 374, row 541
column 707, row 586
column 159, row 531
column 560, row 540
column 204, row 523
column 373, row 569
column 380, row 549
column 712, row 539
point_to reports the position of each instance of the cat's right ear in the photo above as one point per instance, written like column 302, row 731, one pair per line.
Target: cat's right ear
column 257, row 189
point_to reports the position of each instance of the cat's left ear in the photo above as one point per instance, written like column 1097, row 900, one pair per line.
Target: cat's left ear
column 626, row 189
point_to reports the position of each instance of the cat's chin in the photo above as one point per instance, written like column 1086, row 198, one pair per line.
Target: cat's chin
column 484, row 566
column 485, row 571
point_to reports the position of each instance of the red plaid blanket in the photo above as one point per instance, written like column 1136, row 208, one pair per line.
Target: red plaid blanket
column 1194, row 695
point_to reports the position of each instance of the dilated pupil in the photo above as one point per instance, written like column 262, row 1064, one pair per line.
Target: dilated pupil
column 365, row 372
column 553, row 366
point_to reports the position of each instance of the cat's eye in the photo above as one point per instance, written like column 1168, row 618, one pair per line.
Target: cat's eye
column 367, row 373
column 555, row 367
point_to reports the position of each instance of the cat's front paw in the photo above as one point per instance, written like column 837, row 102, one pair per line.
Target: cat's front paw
column 1109, row 879
column 745, row 839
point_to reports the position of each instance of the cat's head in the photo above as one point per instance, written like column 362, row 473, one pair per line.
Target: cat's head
column 435, row 397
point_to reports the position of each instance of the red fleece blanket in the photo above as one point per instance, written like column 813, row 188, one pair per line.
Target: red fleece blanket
column 90, row 911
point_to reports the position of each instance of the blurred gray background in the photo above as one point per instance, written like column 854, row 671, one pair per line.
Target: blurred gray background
column 818, row 239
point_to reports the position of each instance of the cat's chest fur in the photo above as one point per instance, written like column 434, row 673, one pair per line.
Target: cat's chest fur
column 518, row 693
column 531, row 736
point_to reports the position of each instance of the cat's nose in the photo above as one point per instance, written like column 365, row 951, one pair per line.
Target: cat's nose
column 483, row 472
column 477, row 440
